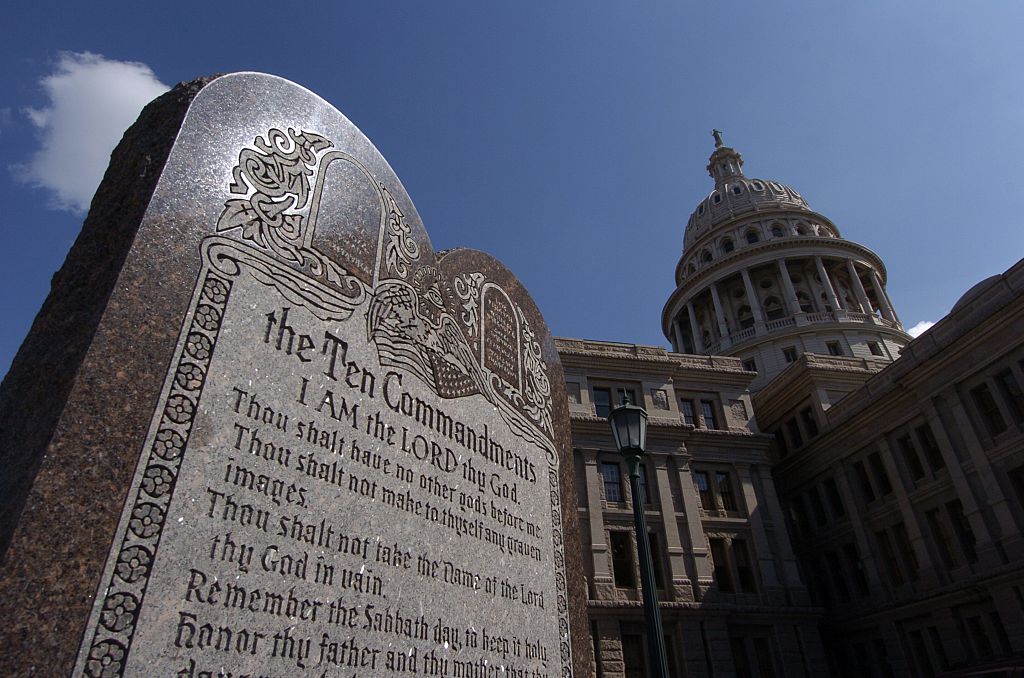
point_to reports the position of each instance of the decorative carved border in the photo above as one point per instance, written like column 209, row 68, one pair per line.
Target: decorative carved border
column 126, row 587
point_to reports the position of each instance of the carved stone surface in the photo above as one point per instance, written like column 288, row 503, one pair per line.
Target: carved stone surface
column 313, row 447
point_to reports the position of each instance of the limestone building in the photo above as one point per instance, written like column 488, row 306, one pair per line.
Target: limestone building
column 731, row 593
column 795, row 415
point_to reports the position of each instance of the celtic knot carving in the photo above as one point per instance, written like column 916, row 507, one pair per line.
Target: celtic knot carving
column 275, row 178
column 399, row 249
column 467, row 286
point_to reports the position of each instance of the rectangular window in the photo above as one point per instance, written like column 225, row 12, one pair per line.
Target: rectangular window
column 643, row 484
column 612, row 481
column 857, row 569
column 780, row 440
column 963, row 531
column 817, row 508
column 903, row 545
column 794, row 433
column 689, row 417
column 921, row 654
column 910, row 458
column 881, row 477
column 634, row 656
column 834, row 348
column 744, row 568
column 750, row 365
column 723, row 483
column 940, row 537
column 707, row 408
column 789, row 353
column 626, row 393
column 874, row 348
column 603, row 402
column 765, row 658
column 722, row 574
column 863, row 482
column 810, row 423
column 988, row 409
column 938, row 647
column 1011, row 392
column 835, row 502
column 656, row 562
column 707, row 500
column 622, row 559
column 835, row 570
column 979, row 638
column 930, row 446
column 1017, row 481
column 892, row 563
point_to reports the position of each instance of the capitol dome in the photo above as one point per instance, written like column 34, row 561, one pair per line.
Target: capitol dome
column 764, row 277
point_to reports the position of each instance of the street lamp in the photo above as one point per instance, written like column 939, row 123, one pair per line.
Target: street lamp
column 629, row 426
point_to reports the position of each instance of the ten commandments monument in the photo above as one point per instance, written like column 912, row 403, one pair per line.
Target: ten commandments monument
column 260, row 428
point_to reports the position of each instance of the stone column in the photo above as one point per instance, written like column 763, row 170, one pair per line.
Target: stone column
column 752, row 299
column 677, row 581
column 775, row 525
column 698, row 338
column 871, row 570
column 830, row 291
column 787, row 285
column 987, row 554
column 678, row 345
column 723, row 327
column 1008, row 528
column 762, row 549
column 702, row 565
column 599, row 549
column 858, row 287
column 883, row 301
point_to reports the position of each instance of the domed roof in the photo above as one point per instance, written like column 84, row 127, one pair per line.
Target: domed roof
column 976, row 292
column 735, row 194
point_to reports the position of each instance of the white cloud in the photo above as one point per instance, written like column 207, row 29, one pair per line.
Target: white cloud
column 92, row 101
column 918, row 329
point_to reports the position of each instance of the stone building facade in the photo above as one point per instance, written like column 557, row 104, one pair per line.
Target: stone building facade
column 732, row 598
column 826, row 495
column 904, row 488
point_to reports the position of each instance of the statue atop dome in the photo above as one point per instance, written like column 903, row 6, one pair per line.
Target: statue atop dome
column 717, row 134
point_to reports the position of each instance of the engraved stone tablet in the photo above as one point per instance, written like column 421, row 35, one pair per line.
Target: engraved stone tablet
column 307, row 444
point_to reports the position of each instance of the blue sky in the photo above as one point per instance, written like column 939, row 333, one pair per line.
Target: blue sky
column 568, row 139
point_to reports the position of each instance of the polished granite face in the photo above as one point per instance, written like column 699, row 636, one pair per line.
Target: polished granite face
column 353, row 458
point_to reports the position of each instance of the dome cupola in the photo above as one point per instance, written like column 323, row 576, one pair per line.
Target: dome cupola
column 764, row 277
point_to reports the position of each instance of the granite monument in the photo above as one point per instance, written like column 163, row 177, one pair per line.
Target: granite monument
column 261, row 428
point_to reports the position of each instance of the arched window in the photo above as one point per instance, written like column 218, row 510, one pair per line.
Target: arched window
column 736, row 189
column 752, row 236
column 806, row 306
column 801, row 229
column 773, row 308
column 727, row 245
column 744, row 317
column 691, row 269
column 705, row 256
column 717, row 197
column 777, row 231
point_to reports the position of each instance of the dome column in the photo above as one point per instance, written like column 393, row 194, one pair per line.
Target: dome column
column 858, row 287
column 883, row 299
column 723, row 328
column 830, row 291
column 695, row 333
column 792, row 302
column 755, row 303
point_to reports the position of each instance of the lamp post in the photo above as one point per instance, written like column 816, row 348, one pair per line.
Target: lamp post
column 629, row 426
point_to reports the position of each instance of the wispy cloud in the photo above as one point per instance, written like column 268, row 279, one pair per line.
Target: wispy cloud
column 92, row 101
column 918, row 329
